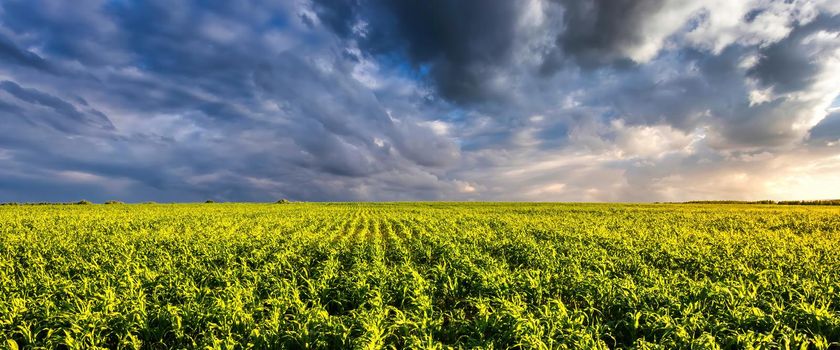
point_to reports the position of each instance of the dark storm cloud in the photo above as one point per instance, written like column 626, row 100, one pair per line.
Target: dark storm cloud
column 339, row 15
column 39, row 107
column 719, row 97
column 370, row 99
column 220, row 100
column 828, row 130
column 10, row 53
column 597, row 32
column 785, row 65
column 463, row 44
column 712, row 90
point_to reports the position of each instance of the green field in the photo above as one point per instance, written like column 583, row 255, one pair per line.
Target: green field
column 419, row 275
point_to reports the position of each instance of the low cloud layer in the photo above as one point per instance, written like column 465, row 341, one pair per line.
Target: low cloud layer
column 379, row 100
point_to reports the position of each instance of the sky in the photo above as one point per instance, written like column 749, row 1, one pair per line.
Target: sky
column 363, row 100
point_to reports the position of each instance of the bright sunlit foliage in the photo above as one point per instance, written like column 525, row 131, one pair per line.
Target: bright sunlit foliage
column 419, row 275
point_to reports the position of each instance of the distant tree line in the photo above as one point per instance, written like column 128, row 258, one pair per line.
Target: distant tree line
column 730, row 202
column 86, row 202
column 286, row 201
column 814, row 202
column 81, row 202
column 801, row 202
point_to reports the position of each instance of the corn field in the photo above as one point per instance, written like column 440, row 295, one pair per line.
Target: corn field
column 419, row 275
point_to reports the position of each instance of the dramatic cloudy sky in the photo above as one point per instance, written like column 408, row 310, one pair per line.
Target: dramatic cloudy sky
column 590, row 100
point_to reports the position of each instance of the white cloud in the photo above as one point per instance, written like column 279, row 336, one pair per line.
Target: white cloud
column 649, row 141
column 439, row 127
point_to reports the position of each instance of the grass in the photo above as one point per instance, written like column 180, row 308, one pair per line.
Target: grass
column 420, row 275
